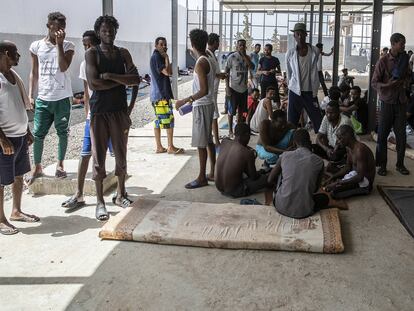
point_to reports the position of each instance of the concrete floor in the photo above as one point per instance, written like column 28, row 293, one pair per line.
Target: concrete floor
column 61, row 264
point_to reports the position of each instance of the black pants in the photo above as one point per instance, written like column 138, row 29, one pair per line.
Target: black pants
column 391, row 116
column 264, row 85
column 322, row 81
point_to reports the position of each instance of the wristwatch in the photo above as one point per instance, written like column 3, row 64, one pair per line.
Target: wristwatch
column 191, row 99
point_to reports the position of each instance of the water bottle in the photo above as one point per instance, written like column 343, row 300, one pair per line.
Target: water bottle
column 183, row 110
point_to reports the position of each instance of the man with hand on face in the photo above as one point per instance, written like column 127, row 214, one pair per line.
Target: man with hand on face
column 15, row 136
column 109, row 69
column 269, row 66
column 237, row 68
column 161, row 96
column 302, row 73
column 51, row 58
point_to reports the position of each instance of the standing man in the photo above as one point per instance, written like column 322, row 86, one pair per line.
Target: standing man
column 237, row 68
column 255, row 57
column 51, row 58
column 202, row 101
column 269, row 66
column 212, row 46
column 320, row 67
column 161, row 95
column 302, row 72
column 15, row 137
column 89, row 39
column 109, row 69
column 393, row 103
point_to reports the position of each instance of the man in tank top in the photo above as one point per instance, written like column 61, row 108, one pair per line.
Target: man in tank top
column 202, row 101
column 15, row 137
column 109, row 69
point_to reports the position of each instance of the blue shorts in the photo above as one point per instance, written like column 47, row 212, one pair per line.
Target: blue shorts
column 271, row 158
column 87, row 144
column 16, row 164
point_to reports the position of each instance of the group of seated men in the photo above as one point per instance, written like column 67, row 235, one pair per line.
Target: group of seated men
column 294, row 178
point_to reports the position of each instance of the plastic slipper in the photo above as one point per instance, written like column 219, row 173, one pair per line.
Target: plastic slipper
column 178, row 151
column 101, row 213
column 164, row 150
column 73, row 203
column 30, row 179
column 8, row 230
column 249, row 202
column 60, row 174
column 115, row 195
column 25, row 218
column 194, row 184
column 123, row 202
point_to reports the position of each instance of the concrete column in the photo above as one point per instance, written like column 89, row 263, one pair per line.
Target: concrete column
column 174, row 43
column 375, row 54
column 204, row 26
column 231, row 30
column 320, row 21
column 107, row 7
column 337, row 34
column 311, row 25
column 221, row 28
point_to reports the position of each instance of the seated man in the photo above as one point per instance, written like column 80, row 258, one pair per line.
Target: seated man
column 236, row 174
column 252, row 102
column 297, row 176
column 356, row 106
column 275, row 137
column 264, row 109
column 326, row 146
column 334, row 94
column 359, row 172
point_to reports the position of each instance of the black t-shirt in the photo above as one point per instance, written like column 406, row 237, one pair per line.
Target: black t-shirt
column 268, row 64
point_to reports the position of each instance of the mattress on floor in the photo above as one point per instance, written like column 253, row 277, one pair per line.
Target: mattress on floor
column 224, row 226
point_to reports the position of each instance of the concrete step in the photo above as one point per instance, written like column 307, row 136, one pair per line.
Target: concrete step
column 68, row 186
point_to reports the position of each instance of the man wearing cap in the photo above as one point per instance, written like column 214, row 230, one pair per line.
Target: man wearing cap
column 302, row 72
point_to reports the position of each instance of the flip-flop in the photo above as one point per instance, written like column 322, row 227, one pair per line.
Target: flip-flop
column 26, row 218
column 164, row 150
column 178, row 151
column 8, row 230
column 73, row 203
column 194, row 185
column 30, row 179
column 125, row 202
column 60, row 174
column 101, row 213
column 209, row 178
column 249, row 202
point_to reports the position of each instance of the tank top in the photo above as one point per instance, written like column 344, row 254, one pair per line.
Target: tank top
column 259, row 115
column 114, row 99
column 209, row 98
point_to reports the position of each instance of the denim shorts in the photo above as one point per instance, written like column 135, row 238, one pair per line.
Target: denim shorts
column 87, row 144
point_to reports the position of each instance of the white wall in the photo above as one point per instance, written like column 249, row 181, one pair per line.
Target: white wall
column 141, row 21
column 404, row 25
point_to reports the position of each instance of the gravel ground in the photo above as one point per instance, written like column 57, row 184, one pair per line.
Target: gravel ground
column 142, row 114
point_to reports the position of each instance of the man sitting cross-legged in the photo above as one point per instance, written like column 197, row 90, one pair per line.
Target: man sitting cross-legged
column 236, row 173
column 297, row 177
column 359, row 172
column 275, row 137
column 326, row 146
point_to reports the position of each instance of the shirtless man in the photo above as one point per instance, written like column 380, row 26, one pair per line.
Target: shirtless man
column 275, row 137
column 236, row 174
column 359, row 172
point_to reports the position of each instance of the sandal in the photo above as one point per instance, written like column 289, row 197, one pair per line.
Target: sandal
column 195, row 184
column 6, row 230
column 60, row 174
column 30, row 179
column 25, row 218
column 249, row 202
column 73, row 203
column 122, row 201
column 177, row 151
column 101, row 213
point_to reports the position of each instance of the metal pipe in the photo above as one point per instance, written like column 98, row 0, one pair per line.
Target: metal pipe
column 320, row 21
column 204, row 26
column 107, row 7
column 311, row 25
column 174, row 39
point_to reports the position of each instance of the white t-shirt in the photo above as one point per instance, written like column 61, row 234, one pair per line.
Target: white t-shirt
column 238, row 72
column 82, row 76
column 53, row 84
column 13, row 116
column 330, row 131
column 304, row 67
column 320, row 62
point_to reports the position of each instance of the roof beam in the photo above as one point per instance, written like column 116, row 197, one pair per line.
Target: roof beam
column 270, row 4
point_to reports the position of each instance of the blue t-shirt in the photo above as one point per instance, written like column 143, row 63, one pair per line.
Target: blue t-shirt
column 268, row 64
column 160, row 83
column 255, row 60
